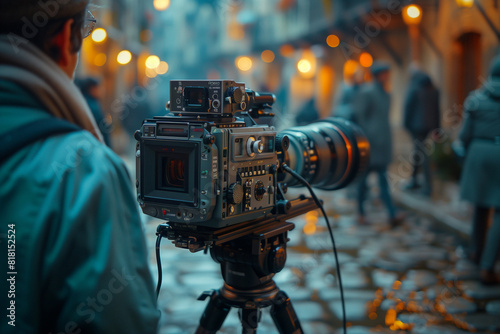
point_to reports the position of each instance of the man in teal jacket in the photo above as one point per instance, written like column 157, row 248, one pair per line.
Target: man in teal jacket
column 75, row 259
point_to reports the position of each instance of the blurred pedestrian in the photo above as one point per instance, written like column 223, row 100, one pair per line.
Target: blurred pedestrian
column 480, row 180
column 421, row 117
column 91, row 90
column 371, row 110
column 66, row 200
column 348, row 94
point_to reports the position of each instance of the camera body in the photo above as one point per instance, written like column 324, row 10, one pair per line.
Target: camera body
column 202, row 169
column 210, row 165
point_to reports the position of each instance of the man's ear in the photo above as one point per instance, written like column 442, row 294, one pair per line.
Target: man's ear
column 63, row 42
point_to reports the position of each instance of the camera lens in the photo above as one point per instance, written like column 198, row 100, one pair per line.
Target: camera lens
column 329, row 154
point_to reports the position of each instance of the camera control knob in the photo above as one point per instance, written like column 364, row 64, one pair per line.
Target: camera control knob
column 277, row 259
column 260, row 190
column 208, row 139
column 235, row 193
column 254, row 146
column 282, row 142
column 236, row 94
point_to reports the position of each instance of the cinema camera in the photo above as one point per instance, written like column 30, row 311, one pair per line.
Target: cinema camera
column 202, row 166
column 219, row 179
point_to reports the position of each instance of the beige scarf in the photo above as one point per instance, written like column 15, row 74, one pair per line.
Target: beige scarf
column 23, row 63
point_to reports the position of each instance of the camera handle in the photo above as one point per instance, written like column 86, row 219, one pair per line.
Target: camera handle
column 248, row 265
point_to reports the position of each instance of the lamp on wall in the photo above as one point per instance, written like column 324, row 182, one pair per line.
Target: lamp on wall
column 412, row 14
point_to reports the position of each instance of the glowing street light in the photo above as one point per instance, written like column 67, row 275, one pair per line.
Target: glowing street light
column 333, row 41
column 304, row 66
column 124, row 57
column 465, row 3
column 365, row 59
column 152, row 62
column 161, row 5
column 412, row 14
column 244, row 63
column 99, row 35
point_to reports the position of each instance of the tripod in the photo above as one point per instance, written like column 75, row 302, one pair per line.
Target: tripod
column 248, row 265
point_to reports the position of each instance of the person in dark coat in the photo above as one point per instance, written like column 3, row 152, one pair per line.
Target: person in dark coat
column 421, row 117
column 371, row 110
column 480, row 180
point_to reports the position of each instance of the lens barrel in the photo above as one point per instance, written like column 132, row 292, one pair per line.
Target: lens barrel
column 329, row 153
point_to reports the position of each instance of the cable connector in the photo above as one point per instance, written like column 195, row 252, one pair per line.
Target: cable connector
column 162, row 229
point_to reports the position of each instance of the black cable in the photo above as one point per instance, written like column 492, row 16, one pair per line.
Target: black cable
column 158, row 263
column 320, row 206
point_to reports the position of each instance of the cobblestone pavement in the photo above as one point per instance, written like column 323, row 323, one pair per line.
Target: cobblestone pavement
column 412, row 278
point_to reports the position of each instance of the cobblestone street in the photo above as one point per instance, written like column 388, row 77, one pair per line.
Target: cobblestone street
column 412, row 278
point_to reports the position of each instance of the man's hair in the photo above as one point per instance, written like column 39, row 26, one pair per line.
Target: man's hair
column 41, row 35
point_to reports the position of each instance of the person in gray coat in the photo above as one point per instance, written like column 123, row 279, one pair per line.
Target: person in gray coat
column 421, row 117
column 480, row 180
column 348, row 95
column 371, row 111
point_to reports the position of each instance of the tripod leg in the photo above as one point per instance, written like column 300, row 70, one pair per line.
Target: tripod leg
column 250, row 318
column 284, row 315
column 214, row 315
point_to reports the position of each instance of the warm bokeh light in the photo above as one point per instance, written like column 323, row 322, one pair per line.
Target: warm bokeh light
column 413, row 11
column 162, row 68
column 365, row 59
column 151, row 73
column 412, row 14
column 286, row 50
column 304, row 66
column 235, row 30
column 465, row 3
column 152, row 62
column 309, row 229
column 350, row 67
column 124, row 57
column 390, row 317
column 267, row 56
column 161, row 4
column 311, row 217
column 100, row 59
column 99, row 35
column 244, row 63
column 333, row 41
